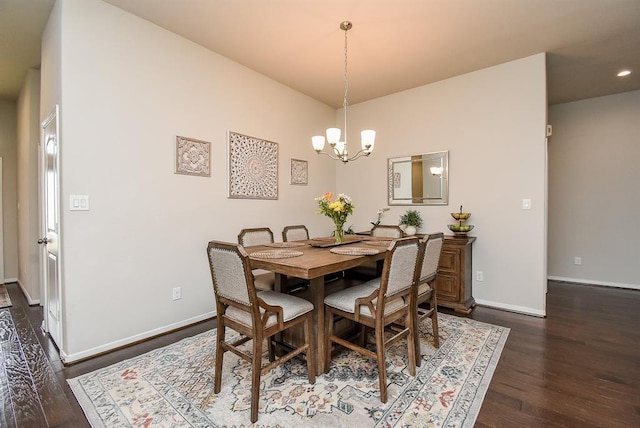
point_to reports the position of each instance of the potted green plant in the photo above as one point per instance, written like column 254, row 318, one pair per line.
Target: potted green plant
column 411, row 221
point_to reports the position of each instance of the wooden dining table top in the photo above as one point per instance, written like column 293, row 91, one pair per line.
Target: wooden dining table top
column 315, row 261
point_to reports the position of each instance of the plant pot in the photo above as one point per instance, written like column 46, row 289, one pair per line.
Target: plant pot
column 410, row 230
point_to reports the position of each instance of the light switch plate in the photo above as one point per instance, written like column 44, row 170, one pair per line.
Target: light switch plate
column 526, row 204
column 79, row 203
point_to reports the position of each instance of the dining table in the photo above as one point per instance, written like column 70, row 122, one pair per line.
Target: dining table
column 313, row 260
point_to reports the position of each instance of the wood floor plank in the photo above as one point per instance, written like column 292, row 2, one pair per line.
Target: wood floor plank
column 7, row 417
column 24, row 398
column 53, row 401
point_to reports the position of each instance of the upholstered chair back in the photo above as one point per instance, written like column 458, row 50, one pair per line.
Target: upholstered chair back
column 229, row 272
column 386, row 231
column 255, row 236
column 432, row 252
column 402, row 268
column 295, row 233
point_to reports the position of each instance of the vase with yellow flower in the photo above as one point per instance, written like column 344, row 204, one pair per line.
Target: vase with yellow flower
column 337, row 210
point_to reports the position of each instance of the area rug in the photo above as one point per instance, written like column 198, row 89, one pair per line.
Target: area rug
column 173, row 386
column 5, row 301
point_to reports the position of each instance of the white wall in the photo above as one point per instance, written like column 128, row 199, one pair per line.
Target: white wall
column 27, row 158
column 8, row 148
column 127, row 88
column 594, row 155
column 493, row 124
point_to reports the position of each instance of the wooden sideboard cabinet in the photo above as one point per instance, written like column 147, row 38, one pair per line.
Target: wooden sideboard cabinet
column 454, row 280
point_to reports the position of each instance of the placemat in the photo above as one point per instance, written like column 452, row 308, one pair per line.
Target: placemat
column 355, row 251
column 379, row 242
column 291, row 244
column 276, row 254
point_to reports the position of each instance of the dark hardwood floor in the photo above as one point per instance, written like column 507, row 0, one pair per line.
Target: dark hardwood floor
column 579, row 367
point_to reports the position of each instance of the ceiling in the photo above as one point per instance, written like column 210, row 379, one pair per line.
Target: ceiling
column 393, row 45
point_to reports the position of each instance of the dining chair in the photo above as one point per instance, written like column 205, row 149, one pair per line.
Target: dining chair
column 255, row 315
column 426, row 289
column 377, row 304
column 386, row 231
column 295, row 233
column 373, row 269
column 258, row 236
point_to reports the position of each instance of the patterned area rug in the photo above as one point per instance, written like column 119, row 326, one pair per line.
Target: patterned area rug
column 173, row 386
column 5, row 301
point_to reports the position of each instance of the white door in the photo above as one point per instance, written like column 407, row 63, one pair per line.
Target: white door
column 50, row 215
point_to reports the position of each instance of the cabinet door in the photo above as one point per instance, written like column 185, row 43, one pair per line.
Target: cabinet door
column 447, row 288
column 449, row 261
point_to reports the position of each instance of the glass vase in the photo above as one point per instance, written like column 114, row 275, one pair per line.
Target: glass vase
column 338, row 234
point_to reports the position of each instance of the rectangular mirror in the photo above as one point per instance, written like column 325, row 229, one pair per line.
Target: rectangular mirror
column 421, row 179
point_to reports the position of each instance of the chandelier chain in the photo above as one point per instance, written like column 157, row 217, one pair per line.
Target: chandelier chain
column 345, row 103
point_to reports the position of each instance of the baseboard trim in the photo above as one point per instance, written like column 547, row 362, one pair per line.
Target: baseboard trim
column 594, row 282
column 83, row 355
column 6, row 280
column 511, row 308
column 30, row 301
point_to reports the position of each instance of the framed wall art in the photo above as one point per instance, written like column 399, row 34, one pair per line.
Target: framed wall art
column 193, row 157
column 253, row 167
column 299, row 172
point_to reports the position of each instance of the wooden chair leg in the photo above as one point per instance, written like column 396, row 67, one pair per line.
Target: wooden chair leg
column 255, row 377
column 382, row 369
column 220, row 336
column 362, row 338
column 328, row 329
column 272, row 348
column 411, row 342
column 434, row 320
column 311, row 351
column 416, row 336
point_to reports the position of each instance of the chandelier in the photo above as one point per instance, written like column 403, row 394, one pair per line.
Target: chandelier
column 339, row 150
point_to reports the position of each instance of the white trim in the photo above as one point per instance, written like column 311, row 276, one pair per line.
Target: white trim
column 8, row 280
column 30, row 301
column 70, row 358
column 511, row 308
column 594, row 282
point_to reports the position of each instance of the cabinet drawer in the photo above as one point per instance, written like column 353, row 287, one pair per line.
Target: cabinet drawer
column 447, row 288
column 449, row 262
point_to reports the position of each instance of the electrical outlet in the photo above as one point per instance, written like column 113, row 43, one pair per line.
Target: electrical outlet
column 177, row 293
column 577, row 261
column 479, row 275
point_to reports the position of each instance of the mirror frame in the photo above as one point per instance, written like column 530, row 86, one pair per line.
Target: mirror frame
column 443, row 156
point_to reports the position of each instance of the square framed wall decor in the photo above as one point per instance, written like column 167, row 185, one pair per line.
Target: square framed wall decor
column 193, row 157
column 253, row 167
column 299, row 172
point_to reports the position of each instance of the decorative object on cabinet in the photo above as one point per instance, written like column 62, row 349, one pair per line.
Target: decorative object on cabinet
column 192, row 156
column 299, row 172
column 460, row 229
column 454, row 280
column 253, row 167
column 411, row 221
column 380, row 213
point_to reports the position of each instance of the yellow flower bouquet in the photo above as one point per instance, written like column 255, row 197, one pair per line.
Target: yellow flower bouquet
column 337, row 210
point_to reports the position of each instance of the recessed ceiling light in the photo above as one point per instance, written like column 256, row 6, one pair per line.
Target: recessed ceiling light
column 624, row 73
